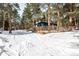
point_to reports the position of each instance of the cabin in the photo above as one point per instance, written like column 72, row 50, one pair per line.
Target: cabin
column 43, row 26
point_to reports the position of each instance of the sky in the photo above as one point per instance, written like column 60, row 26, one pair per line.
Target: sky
column 22, row 5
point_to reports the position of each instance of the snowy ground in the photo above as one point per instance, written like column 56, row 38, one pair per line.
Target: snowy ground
column 23, row 43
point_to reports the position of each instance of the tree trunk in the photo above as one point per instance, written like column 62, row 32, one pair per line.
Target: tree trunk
column 10, row 30
column 71, row 19
column 59, row 22
column 33, row 23
column 3, row 20
column 70, row 23
column 49, row 17
column 14, row 25
column 25, row 25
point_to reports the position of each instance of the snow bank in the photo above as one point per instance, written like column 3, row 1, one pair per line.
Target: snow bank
column 34, row 44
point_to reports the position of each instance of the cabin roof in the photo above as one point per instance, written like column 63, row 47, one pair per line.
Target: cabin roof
column 43, row 23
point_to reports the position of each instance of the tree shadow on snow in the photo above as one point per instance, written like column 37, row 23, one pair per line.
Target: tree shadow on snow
column 20, row 33
column 17, row 32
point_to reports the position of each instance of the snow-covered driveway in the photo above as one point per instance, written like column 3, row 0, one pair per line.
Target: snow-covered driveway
column 34, row 44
